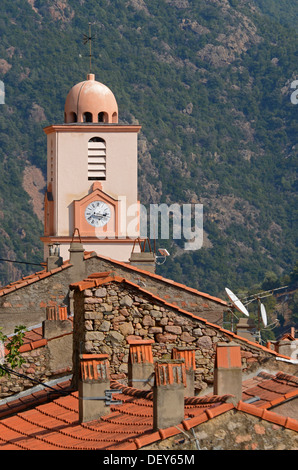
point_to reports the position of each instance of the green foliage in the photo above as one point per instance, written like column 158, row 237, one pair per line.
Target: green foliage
column 294, row 307
column 13, row 357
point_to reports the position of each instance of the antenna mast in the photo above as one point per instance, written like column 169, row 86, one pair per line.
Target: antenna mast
column 89, row 39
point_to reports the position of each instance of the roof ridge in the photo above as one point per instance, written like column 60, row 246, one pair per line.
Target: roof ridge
column 289, row 423
column 132, row 391
column 195, row 400
column 31, row 278
column 148, row 395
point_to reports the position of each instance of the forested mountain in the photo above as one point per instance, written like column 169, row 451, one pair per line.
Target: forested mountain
column 210, row 83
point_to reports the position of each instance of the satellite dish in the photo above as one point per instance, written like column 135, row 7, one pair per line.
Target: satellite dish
column 163, row 252
column 236, row 302
column 264, row 315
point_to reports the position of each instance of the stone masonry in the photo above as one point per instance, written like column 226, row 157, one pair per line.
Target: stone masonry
column 25, row 302
column 36, row 366
column 107, row 315
column 45, row 360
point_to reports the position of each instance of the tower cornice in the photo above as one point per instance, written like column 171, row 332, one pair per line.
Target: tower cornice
column 91, row 127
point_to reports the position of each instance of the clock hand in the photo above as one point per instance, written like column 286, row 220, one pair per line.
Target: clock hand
column 98, row 216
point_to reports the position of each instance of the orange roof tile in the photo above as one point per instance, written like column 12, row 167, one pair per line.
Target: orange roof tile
column 55, row 425
column 23, row 402
column 26, row 280
column 128, row 426
column 270, row 389
column 33, row 339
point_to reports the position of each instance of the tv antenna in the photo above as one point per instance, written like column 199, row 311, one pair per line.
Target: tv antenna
column 261, row 295
column 88, row 39
column 262, row 314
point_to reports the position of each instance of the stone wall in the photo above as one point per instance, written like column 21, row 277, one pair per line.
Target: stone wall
column 42, row 364
column 189, row 299
column 107, row 315
column 26, row 305
column 36, row 366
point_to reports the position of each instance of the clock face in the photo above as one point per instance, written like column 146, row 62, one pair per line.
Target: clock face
column 97, row 213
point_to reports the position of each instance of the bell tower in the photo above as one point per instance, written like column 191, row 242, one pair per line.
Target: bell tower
column 92, row 169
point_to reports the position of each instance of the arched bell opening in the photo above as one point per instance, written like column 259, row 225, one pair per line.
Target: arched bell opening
column 87, row 117
column 103, row 117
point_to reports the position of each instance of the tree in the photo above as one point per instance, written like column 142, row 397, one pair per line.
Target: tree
column 294, row 274
column 270, row 281
column 13, row 356
column 294, row 307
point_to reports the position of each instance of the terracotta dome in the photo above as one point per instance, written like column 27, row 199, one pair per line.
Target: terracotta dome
column 90, row 101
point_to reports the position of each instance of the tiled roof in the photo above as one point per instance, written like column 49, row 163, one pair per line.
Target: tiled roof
column 34, row 339
column 286, row 422
column 35, row 277
column 26, row 280
column 33, row 397
column 268, row 390
column 128, row 426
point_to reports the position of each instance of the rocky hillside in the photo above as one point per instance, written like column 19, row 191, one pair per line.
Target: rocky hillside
column 209, row 81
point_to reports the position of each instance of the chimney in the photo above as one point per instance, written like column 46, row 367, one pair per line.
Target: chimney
column 94, row 382
column 76, row 255
column 76, row 251
column 56, row 322
column 168, row 393
column 288, row 346
column 140, row 365
column 228, row 370
column 245, row 328
column 145, row 260
column 54, row 260
column 62, row 312
column 188, row 354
